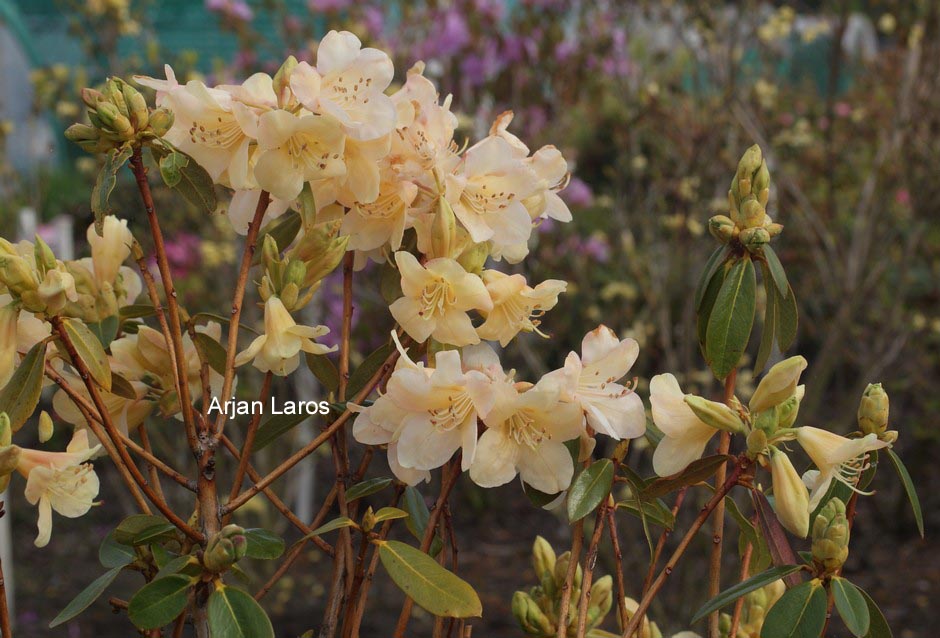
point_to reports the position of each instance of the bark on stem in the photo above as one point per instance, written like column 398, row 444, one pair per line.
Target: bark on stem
column 589, row 563
column 565, row 602
column 718, row 522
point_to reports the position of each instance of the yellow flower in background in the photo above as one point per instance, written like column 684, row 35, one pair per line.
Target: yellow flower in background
column 278, row 349
column 685, row 434
column 517, row 307
column 437, row 298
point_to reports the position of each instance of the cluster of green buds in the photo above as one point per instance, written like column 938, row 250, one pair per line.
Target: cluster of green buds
column 756, row 605
column 283, row 277
column 450, row 240
column 225, row 549
column 9, row 453
column 748, row 224
column 36, row 279
column 537, row 611
column 873, row 413
column 321, row 249
column 830, row 537
column 119, row 116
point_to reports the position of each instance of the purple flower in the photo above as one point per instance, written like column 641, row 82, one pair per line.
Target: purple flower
column 374, row 20
column 328, row 5
column 578, row 193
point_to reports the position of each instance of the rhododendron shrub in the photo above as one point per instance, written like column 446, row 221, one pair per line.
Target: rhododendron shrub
column 333, row 167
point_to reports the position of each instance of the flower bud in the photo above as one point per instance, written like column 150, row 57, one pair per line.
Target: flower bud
column 773, row 229
column 474, row 257
column 6, row 431
column 752, row 214
column 92, row 98
column 561, row 571
column 789, row 409
column 113, row 120
column 791, row 498
column 289, row 295
column 368, row 520
column 750, row 162
column 873, row 410
column 296, row 272
column 778, row 385
column 113, row 93
column 529, row 616
column 16, row 274
column 761, row 185
column 81, row 133
column 717, row 415
column 160, row 121
column 722, row 228
column 45, row 427
column 831, row 537
column 543, row 557
column 444, row 230
column 138, row 112
column 9, row 315
column 281, row 81
column 754, row 238
column 756, row 442
column 602, row 598
column 45, row 259
column 224, row 549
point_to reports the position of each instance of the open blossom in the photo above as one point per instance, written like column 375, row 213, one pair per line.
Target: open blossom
column 437, row 298
column 591, row 381
column 517, row 307
column 836, row 458
column 384, row 220
column 685, row 434
column 60, row 481
column 378, row 425
column 278, row 349
column 525, row 435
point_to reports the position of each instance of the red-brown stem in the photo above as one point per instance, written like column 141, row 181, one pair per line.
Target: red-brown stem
column 179, row 625
column 251, row 239
column 565, row 601
column 151, row 468
column 589, row 562
column 661, row 543
column 634, row 624
column 250, row 439
column 115, row 435
column 339, row 449
column 448, row 480
column 739, row 603
column 718, row 522
column 618, row 561
column 6, row 630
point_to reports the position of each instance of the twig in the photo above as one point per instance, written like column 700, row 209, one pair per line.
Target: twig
column 565, row 601
column 739, row 603
column 618, row 560
column 6, row 630
column 250, row 439
column 718, row 522
column 589, row 562
column 661, row 543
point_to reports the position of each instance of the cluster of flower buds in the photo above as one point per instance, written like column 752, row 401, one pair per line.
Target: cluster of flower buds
column 749, row 223
column 537, row 610
column 283, row 277
column 321, row 249
column 119, row 115
column 40, row 282
column 756, row 605
column 873, row 413
column 831, row 537
column 225, row 549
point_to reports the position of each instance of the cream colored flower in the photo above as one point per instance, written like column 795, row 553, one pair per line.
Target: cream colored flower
column 110, row 249
column 383, row 221
column 278, row 349
column 517, row 307
column 424, row 140
column 437, row 298
column 126, row 413
column 591, row 381
column 60, row 481
column 685, row 434
column 525, row 435
column 836, row 457
column 9, row 316
column 791, row 500
column 244, row 202
column 778, row 385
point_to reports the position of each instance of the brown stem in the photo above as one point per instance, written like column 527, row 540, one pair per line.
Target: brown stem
column 565, row 600
column 250, row 440
column 151, row 468
column 448, row 480
column 742, row 464
column 739, row 603
column 661, row 543
column 589, row 562
column 6, row 630
column 718, row 522
column 618, row 561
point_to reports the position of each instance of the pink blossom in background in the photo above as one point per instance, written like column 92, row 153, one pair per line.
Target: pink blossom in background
column 565, row 49
column 236, row 9
column 452, row 36
column 328, row 5
column 578, row 193
column 786, row 119
column 842, row 109
column 374, row 21
column 184, row 253
column 903, row 197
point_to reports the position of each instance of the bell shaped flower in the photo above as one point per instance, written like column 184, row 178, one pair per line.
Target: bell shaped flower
column 424, row 139
column 278, row 349
column 525, row 435
column 437, row 298
column 517, row 306
column 836, row 458
column 384, row 220
column 60, row 481
column 244, row 202
column 110, row 249
column 591, row 381
column 685, row 434
column 791, row 499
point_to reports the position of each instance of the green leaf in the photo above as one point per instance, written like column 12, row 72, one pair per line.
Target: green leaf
column 389, row 513
column 729, row 326
column 418, row 517
column 275, row 427
column 283, row 230
column 851, row 606
column 711, row 268
column 366, row 488
column 800, row 613
column 877, row 627
column 760, row 553
column 106, row 329
column 769, row 329
column 157, row 532
column 178, row 564
column 336, row 523
column 113, row 554
column 432, row 587
column 731, row 594
column 589, row 489
column 366, row 369
column 89, row 350
column 908, row 484
column 137, row 311
column 159, row 602
column 105, row 183
column 654, row 510
column 122, row 387
column 776, row 271
column 210, row 350
column 20, row 395
column 184, row 175
column 87, row 596
column 787, row 320
column 696, row 472
column 707, row 304
column 324, row 370
column 128, row 529
column 537, row 498
column 263, row 544
column 232, row 613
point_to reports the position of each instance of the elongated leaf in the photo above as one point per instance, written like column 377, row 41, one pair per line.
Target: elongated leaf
column 851, row 605
column 878, row 626
column 787, row 320
column 432, row 587
column 707, row 305
column 263, row 544
column 184, row 174
column 418, row 517
column 113, row 554
column 540, row 499
column 324, row 370
column 89, row 350
column 366, row 488
column 769, row 329
column 211, row 350
column 776, row 271
column 696, row 472
column 760, row 554
column 152, row 533
column 590, row 488
column 87, row 596
column 800, row 613
column 389, row 513
column 753, row 583
column 366, row 369
column 128, row 529
column 187, row 562
column 655, row 511
column 711, row 268
column 780, row 550
column 232, row 613
column 20, row 395
column 105, row 183
column 283, row 230
column 159, row 602
column 336, row 523
column 122, row 387
column 275, row 427
column 106, row 329
column 729, row 327
column 137, row 311
column 909, row 489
